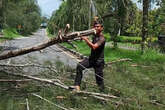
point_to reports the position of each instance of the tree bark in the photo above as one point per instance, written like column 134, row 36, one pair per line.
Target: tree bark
column 1, row 15
column 48, row 43
column 145, row 23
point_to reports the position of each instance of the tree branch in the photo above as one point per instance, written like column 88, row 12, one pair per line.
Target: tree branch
column 48, row 43
column 50, row 102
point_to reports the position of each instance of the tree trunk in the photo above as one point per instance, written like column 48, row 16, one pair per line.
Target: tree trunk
column 1, row 15
column 145, row 24
column 63, row 38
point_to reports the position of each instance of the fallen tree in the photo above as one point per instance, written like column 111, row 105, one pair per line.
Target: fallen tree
column 59, row 39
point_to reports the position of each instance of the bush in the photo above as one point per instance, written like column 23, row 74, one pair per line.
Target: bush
column 10, row 33
column 107, row 37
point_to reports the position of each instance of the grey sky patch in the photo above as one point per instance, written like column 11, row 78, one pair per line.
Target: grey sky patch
column 48, row 6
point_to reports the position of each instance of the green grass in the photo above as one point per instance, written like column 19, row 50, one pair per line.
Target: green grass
column 130, row 39
column 80, row 47
column 141, row 80
column 125, row 45
column 10, row 33
column 136, row 87
column 113, row 54
column 49, row 35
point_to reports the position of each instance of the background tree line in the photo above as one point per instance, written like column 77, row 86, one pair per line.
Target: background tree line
column 120, row 17
column 22, row 15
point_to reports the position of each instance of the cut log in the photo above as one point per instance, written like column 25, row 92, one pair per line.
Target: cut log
column 47, row 43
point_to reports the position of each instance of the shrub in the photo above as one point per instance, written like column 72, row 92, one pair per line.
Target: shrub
column 10, row 33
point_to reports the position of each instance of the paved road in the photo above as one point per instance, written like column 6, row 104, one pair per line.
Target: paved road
column 51, row 54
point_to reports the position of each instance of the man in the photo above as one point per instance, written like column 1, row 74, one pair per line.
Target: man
column 95, row 60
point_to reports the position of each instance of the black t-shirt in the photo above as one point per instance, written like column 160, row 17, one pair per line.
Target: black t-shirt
column 98, row 53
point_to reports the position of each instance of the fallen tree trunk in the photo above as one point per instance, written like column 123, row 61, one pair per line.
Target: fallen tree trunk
column 48, row 43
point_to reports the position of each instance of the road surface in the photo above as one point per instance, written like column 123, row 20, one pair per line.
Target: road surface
column 51, row 54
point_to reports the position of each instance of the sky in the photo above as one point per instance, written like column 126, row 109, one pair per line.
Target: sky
column 139, row 5
column 48, row 6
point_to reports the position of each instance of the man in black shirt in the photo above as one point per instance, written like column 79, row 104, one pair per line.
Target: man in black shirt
column 95, row 60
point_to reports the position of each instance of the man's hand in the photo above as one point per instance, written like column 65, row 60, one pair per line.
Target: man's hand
column 90, row 44
column 84, row 38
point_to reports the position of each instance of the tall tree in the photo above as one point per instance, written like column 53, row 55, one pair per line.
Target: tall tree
column 145, row 23
column 117, row 11
column 1, row 15
column 20, row 12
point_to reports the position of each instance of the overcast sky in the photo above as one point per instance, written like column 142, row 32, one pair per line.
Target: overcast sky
column 48, row 6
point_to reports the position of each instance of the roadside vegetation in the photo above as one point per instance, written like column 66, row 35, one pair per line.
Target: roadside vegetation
column 19, row 17
column 138, row 83
column 10, row 34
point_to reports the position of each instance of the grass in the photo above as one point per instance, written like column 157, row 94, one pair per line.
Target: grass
column 80, row 47
column 126, row 39
column 113, row 54
column 125, row 45
column 139, row 84
column 141, row 80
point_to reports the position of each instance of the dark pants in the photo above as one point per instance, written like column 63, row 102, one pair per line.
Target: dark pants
column 98, row 67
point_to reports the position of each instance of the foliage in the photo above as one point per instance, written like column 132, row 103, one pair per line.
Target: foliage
column 77, row 13
column 22, row 15
column 10, row 33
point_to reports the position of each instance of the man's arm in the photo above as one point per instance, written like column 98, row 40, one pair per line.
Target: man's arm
column 90, row 44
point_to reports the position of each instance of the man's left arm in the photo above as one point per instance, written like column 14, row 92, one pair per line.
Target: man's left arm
column 91, row 45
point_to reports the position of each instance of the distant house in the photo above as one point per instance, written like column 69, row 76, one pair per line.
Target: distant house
column 43, row 25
